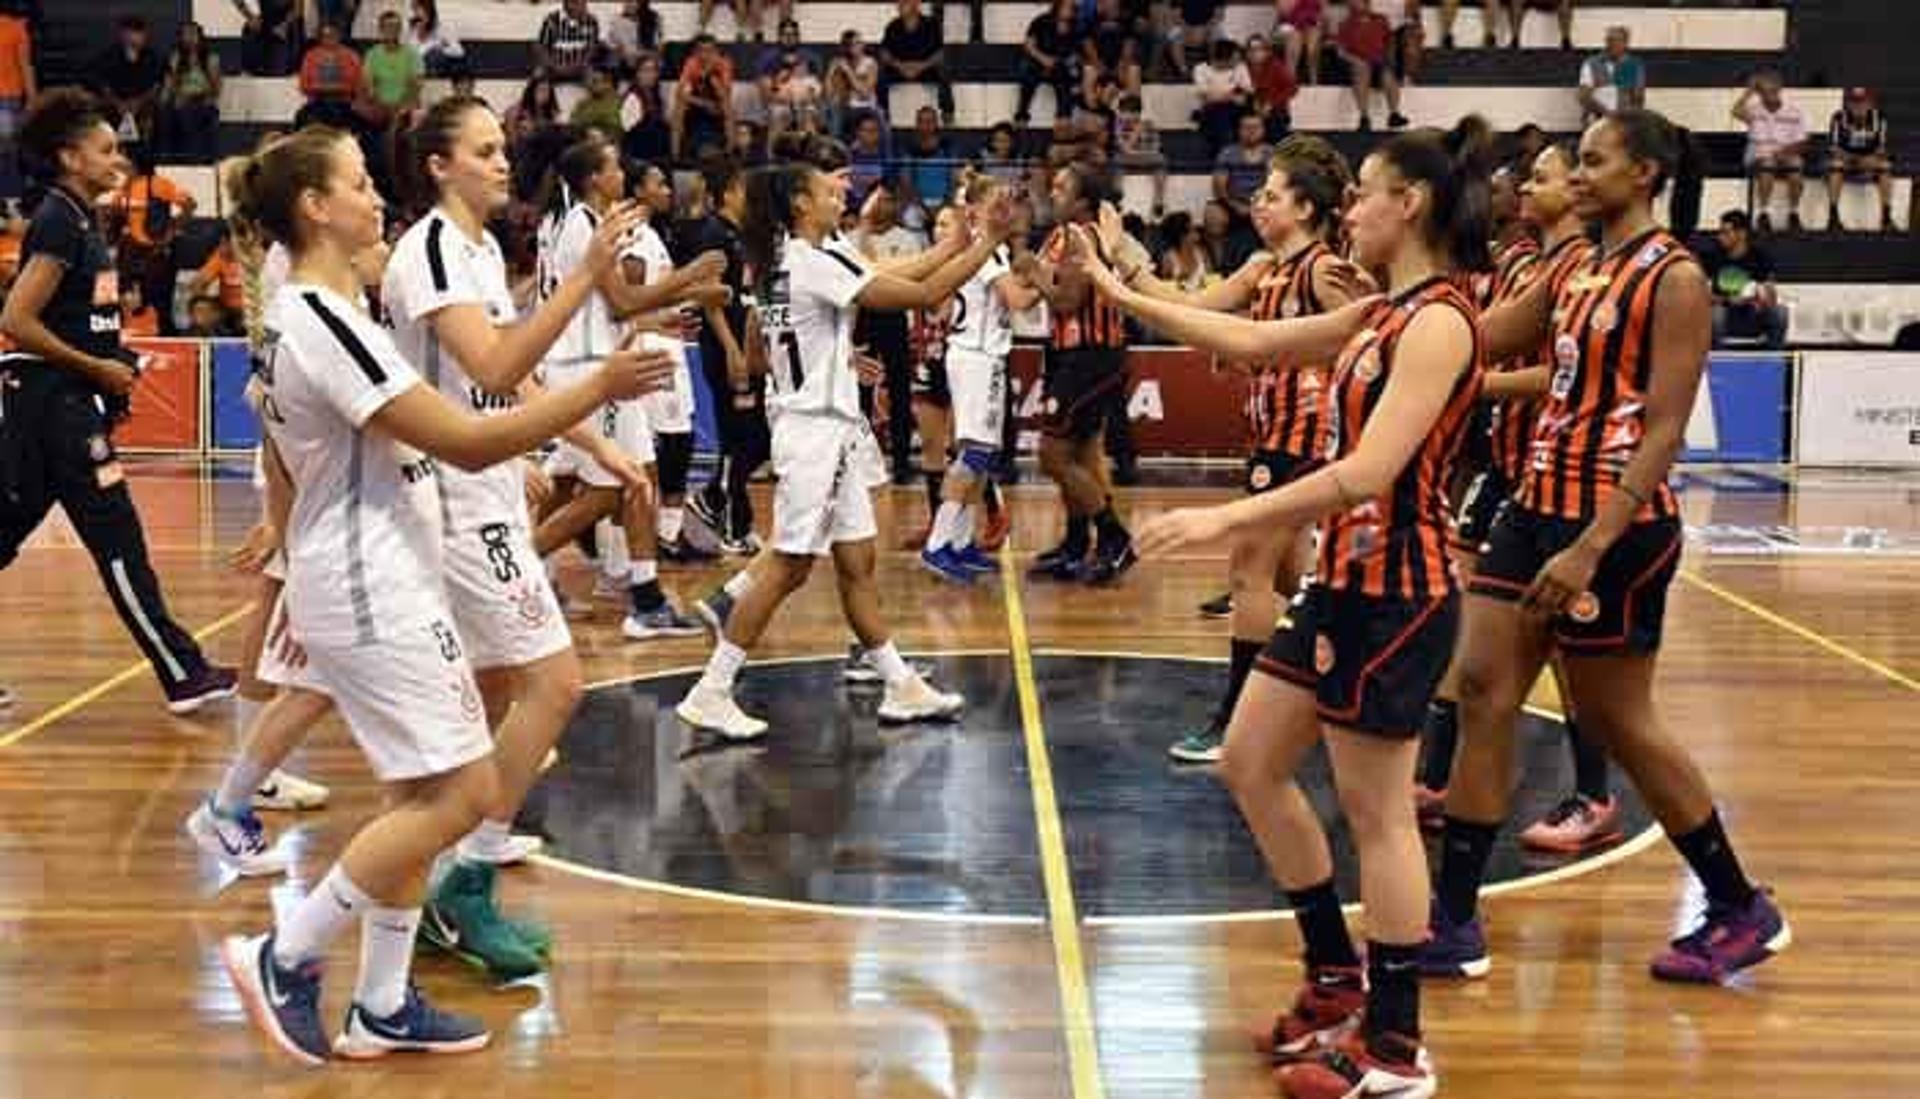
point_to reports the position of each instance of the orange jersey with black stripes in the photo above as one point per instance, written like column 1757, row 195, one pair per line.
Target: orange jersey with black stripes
column 1511, row 423
column 1098, row 322
column 1395, row 544
column 1512, row 264
column 1594, row 417
column 1283, row 406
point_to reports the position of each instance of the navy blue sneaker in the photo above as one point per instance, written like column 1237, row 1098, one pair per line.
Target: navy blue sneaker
column 978, row 561
column 418, row 1027
column 283, row 1003
column 946, row 565
column 209, row 684
column 1453, row 951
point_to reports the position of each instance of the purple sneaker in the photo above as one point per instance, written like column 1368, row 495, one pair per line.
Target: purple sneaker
column 209, row 684
column 1726, row 942
column 1453, row 951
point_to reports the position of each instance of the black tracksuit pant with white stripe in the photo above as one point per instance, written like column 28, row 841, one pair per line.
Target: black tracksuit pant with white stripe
column 55, row 449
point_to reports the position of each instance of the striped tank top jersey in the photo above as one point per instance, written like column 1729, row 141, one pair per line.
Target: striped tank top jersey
column 1283, row 406
column 1595, row 414
column 1096, row 324
column 1395, row 545
column 1513, row 421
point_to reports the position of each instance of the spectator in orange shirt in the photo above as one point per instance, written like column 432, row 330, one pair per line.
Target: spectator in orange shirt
column 330, row 79
column 18, row 84
column 703, row 109
column 1364, row 40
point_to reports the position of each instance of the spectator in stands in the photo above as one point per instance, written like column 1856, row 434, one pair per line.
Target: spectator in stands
column 439, row 50
column 1225, row 87
column 1136, row 148
column 853, row 84
column 1364, row 40
column 19, row 83
column 913, row 51
column 748, row 145
column 1274, row 86
column 330, row 79
column 702, row 110
column 1745, row 304
column 976, row 18
column 1228, row 244
column 568, row 40
column 643, row 113
column 1450, row 11
column 1241, row 168
column 1408, row 47
column 929, row 159
column 1562, row 9
column 790, row 81
column 1050, row 55
column 341, row 13
column 1776, row 145
column 1183, row 254
column 206, row 320
column 137, row 317
column 631, row 35
column 1613, row 78
column 149, row 209
column 867, row 156
column 221, row 277
column 538, row 106
column 129, row 74
column 269, row 36
column 599, row 109
column 1857, row 148
column 189, row 121
column 746, row 16
column 1297, row 26
column 392, row 75
column 1112, row 46
column 1199, row 25
column 1000, row 157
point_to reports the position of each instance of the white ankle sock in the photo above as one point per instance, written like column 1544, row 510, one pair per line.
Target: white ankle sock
column 310, row 926
column 672, row 521
column 887, row 659
column 738, row 584
column 723, row 667
column 961, row 536
column 386, row 958
column 486, row 839
column 943, row 525
column 612, row 542
column 643, row 572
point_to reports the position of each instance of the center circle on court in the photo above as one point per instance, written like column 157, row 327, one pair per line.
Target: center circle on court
column 833, row 809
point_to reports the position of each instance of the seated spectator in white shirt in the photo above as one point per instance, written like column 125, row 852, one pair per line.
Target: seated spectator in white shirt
column 1776, row 145
column 1857, row 147
column 1612, row 79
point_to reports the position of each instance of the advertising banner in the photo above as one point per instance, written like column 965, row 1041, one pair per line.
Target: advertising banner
column 166, row 402
column 1859, row 408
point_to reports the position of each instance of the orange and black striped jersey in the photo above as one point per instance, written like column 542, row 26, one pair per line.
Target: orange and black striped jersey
column 1512, row 266
column 1602, row 357
column 1098, row 322
column 1395, row 544
column 1283, row 406
column 1511, row 423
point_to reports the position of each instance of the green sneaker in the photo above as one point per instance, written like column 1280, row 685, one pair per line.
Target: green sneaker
column 1199, row 747
column 461, row 919
column 532, row 932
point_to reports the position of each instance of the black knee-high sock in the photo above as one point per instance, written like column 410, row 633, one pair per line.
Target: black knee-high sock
column 1240, row 665
column 1079, row 535
column 1111, row 530
column 1442, row 736
column 1316, row 909
column 1589, row 765
column 1393, row 991
column 936, row 482
column 1463, row 863
column 1710, row 853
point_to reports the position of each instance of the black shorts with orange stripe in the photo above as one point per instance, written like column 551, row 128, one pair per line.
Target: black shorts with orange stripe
column 1372, row 663
column 1269, row 469
column 1624, row 608
column 1084, row 386
column 1486, row 494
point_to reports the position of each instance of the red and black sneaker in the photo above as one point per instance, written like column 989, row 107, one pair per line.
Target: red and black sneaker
column 1327, row 1006
column 1385, row 1065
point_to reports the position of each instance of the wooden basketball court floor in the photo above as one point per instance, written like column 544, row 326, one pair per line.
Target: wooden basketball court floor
column 1792, row 675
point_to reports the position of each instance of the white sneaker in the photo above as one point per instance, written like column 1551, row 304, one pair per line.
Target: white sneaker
column 288, row 791
column 915, row 699
column 716, row 711
column 239, row 844
column 860, row 670
column 514, row 849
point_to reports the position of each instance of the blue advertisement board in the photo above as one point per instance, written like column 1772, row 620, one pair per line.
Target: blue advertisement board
column 1743, row 413
column 235, row 427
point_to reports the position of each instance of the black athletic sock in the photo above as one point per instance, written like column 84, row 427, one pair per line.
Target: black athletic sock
column 1316, row 909
column 991, row 496
column 1589, row 765
column 1079, row 536
column 1239, row 666
column 585, row 543
column 1442, row 735
column 1710, row 853
column 1465, row 846
column 1112, row 532
column 1393, row 992
column 646, row 597
column 936, row 481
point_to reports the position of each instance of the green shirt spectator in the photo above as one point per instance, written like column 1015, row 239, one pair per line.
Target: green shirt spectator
column 393, row 69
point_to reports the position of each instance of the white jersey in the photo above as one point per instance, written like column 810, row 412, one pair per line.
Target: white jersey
column 592, row 332
column 982, row 323
column 363, row 544
column 656, row 265
column 434, row 266
column 806, row 316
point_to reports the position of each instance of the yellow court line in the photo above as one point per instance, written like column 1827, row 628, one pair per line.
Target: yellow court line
column 1076, row 1004
column 118, row 679
column 1805, row 633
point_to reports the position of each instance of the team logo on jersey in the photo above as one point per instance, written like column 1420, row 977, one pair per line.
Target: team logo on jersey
column 1585, row 608
column 1323, row 654
column 1605, row 316
column 1259, row 477
column 1651, row 254
column 529, row 602
column 470, row 705
column 1580, row 284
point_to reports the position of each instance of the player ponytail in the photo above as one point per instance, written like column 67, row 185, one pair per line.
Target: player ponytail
column 770, row 194
column 1453, row 166
column 1649, row 139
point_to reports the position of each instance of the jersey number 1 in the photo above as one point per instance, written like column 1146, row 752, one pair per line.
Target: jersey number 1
column 794, row 370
